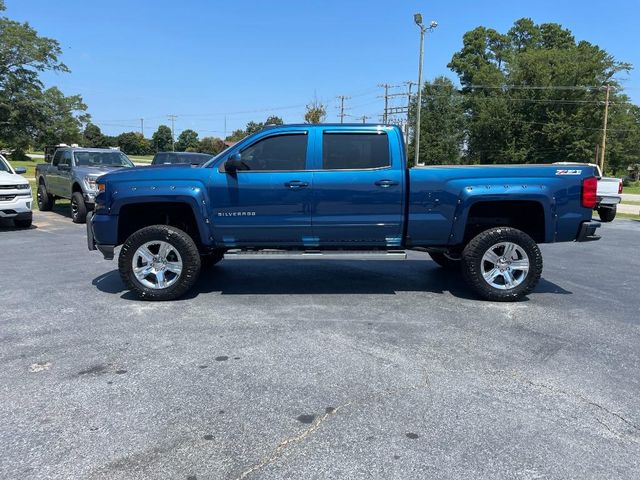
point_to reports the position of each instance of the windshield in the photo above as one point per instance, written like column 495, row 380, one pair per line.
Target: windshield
column 192, row 158
column 4, row 166
column 102, row 159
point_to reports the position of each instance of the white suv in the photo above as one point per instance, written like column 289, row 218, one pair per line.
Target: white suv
column 15, row 195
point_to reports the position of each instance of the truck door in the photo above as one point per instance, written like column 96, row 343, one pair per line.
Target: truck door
column 53, row 174
column 358, row 184
column 268, row 201
column 64, row 174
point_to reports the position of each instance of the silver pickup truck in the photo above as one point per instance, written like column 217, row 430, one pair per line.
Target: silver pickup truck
column 71, row 172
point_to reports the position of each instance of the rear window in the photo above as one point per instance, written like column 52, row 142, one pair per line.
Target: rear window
column 355, row 151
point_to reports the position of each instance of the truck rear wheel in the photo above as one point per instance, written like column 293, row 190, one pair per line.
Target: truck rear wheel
column 78, row 208
column 159, row 262
column 502, row 264
column 607, row 214
column 45, row 199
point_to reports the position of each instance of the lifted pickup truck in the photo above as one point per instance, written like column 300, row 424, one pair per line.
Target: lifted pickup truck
column 338, row 192
column 71, row 172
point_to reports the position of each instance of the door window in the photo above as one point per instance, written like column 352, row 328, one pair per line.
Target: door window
column 66, row 158
column 279, row 153
column 57, row 157
column 355, row 151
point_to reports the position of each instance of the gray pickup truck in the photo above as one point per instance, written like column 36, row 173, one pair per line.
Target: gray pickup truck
column 71, row 172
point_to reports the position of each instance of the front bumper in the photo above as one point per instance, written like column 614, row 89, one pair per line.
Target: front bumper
column 19, row 205
column 587, row 232
column 106, row 250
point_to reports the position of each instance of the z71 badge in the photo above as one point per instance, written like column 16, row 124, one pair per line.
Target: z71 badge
column 568, row 172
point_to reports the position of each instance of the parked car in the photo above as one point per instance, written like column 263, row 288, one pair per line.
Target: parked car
column 338, row 192
column 187, row 158
column 15, row 195
column 71, row 172
column 609, row 193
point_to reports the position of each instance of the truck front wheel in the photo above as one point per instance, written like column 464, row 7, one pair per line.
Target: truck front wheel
column 159, row 262
column 78, row 208
column 502, row 264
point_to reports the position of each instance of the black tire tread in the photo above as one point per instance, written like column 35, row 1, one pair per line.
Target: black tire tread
column 187, row 249
column 47, row 199
column 82, row 208
column 475, row 249
column 607, row 214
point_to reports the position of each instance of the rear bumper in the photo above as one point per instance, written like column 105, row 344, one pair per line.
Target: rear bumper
column 106, row 250
column 587, row 232
column 608, row 201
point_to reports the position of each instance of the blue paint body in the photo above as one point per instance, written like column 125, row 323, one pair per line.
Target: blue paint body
column 312, row 208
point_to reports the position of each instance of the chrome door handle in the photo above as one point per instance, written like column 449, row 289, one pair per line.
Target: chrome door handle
column 386, row 183
column 296, row 184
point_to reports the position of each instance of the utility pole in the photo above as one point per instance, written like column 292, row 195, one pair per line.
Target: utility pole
column 342, row 98
column 604, row 129
column 385, row 115
column 173, row 119
column 142, row 127
column 417, row 18
column 364, row 118
column 409, row 84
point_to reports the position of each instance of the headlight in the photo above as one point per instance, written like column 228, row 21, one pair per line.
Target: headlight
column 22, row 187
column 90, row 182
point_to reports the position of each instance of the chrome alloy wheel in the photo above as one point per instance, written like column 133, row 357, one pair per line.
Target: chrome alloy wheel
column 505, row 265
column 157, row 264
column 74, row 208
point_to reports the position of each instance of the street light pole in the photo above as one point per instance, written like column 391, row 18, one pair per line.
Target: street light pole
column 418, row 19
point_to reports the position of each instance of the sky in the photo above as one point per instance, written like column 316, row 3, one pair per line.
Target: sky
column 219, row 64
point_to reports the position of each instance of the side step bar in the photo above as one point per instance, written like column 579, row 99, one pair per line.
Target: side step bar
column 315, row 255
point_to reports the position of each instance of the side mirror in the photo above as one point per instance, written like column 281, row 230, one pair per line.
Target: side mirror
column 64, row 168
column 21, row 170
column 234, row 163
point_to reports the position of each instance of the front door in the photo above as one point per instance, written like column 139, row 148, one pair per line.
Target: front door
column 267, row 202
column 358, row 189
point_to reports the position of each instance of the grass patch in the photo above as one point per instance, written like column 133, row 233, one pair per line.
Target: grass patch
column 626, row 216
column 141, row 158
column 632, row 188
column 629, row 202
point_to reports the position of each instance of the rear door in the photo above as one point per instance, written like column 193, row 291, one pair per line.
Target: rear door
column 52, row 179
column 358, row 188
column 269, row 202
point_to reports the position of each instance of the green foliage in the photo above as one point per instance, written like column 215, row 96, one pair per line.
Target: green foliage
column 188, row 141
column 29, row 114
column 559, row 119
column 133, row 143
column 93, row 137
column 162, row 139
column 253, row 127
column 442, row 124
column 315, row 112
column 212, row 145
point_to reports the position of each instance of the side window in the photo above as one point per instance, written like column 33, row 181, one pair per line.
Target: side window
column 161, row 158
column 355, row 151
column 66, row 158
column 57, row 157
column 281, row 152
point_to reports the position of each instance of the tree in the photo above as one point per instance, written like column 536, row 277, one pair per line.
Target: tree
column 273, row 120
column 316, row 112
column 534, row 94
column 25, row 106
column 187, row 141
column 212, row 145
column 162, row 140
column 133, row 143
column 92, row 136
column 442, row 124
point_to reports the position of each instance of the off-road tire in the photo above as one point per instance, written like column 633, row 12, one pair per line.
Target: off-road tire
column 445, row 260
column 45, row 199
column 211, row 259
column 181, row 241
column 78, row 208
column 476, row 248
column 607, row 214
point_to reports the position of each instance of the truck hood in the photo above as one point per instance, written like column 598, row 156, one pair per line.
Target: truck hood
column 158, row 172
column 7, row 178
column 97, row 171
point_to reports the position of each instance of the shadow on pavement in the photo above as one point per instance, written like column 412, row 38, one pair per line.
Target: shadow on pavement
column 322, row 278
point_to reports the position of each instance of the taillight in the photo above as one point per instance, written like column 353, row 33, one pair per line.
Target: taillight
column 620, row 187
column 589, row 192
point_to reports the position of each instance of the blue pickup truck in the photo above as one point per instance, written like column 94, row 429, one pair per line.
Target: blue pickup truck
column 338, row 192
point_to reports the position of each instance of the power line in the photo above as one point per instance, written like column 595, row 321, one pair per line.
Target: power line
column 173, row 119
column 342, row 98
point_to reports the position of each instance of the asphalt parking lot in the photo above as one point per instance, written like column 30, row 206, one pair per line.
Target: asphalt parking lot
column 317, row 369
